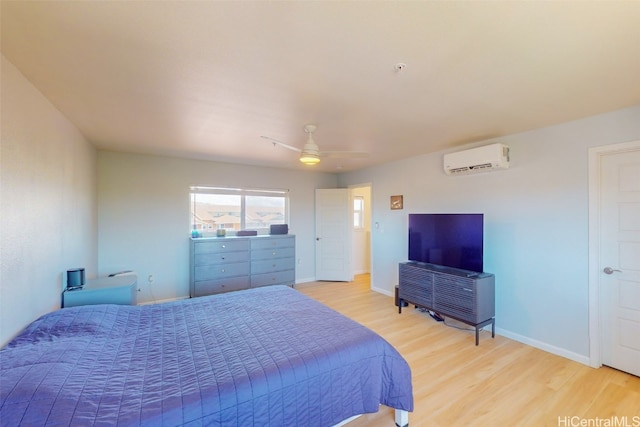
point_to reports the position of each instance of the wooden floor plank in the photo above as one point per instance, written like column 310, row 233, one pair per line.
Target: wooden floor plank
column 501, row 382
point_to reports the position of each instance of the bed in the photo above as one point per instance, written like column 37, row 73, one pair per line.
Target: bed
column 267, row 356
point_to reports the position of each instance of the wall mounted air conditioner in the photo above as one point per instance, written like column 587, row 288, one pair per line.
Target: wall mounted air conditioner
column 481, row 159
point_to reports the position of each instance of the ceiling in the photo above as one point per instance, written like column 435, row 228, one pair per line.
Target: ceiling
column 207, row 79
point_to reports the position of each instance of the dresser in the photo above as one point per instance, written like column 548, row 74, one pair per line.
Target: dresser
column 460, row 294
column 224, row 264
column 105, row 290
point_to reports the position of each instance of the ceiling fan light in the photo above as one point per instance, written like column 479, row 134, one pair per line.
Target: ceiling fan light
column 309, row 158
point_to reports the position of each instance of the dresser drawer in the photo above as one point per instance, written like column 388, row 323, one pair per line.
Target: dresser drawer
column 455, row 296
column 283, row 252
column 271, row 265
column 220, row 258
column 209, row 287
column 273, row 242
column 211, row 272
column 220, row 245
column 277, row 278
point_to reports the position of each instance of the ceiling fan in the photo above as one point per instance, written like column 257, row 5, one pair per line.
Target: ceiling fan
column 310, row 154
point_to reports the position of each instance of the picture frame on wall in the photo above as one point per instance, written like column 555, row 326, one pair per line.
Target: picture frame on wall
column 396, row 202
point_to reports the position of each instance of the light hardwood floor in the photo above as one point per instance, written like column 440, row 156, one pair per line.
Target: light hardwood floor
column 501, row 382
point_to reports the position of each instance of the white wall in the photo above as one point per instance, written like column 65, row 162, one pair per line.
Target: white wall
column 536, row 229
column 143, row 208
column 48, row 203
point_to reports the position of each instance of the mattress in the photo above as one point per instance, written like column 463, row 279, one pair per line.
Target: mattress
column 267, row 356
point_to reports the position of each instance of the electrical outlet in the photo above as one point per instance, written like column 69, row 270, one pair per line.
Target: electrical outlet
column 150, row 278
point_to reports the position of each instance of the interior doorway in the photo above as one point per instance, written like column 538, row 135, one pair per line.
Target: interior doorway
column 361, row 239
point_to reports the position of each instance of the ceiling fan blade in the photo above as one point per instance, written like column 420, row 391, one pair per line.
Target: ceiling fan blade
column 344, row 154
column 282, row 144
column 310, row 153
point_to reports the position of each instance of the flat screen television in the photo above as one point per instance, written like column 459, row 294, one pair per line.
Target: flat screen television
column 449, row 240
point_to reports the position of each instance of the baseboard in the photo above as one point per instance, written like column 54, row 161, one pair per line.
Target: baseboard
column 383, row 291
column 558, row 351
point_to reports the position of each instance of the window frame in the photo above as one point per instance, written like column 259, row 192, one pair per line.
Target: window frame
column 243, row 193
column 359, row 212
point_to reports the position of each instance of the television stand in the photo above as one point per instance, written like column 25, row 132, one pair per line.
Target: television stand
column 459, row 294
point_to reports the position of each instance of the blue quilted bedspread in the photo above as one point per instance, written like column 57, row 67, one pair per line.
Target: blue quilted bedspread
column 266, row 357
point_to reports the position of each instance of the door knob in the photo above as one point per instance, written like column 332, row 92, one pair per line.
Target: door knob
column 317, row 238
column 609, row 270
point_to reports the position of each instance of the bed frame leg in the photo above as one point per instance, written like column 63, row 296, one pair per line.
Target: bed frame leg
column 402, row 418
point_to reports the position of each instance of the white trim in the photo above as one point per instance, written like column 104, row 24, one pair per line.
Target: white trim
column 382, row 291
column 239, row 191
column 558, row 351
column 595, row 155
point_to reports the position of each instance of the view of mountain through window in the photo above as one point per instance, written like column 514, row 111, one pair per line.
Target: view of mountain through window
column 233, row 210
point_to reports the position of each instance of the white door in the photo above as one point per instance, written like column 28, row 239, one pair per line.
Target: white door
column 620, row 260
column 333, row 235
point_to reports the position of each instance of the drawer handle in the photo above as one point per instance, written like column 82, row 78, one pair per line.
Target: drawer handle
column 273, row 265
column 273, row 253
column 222, row 271
column 222, row 258
column 224, row 246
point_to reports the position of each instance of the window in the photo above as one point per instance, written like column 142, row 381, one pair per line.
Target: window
column 234, row 209
column 358, row 212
